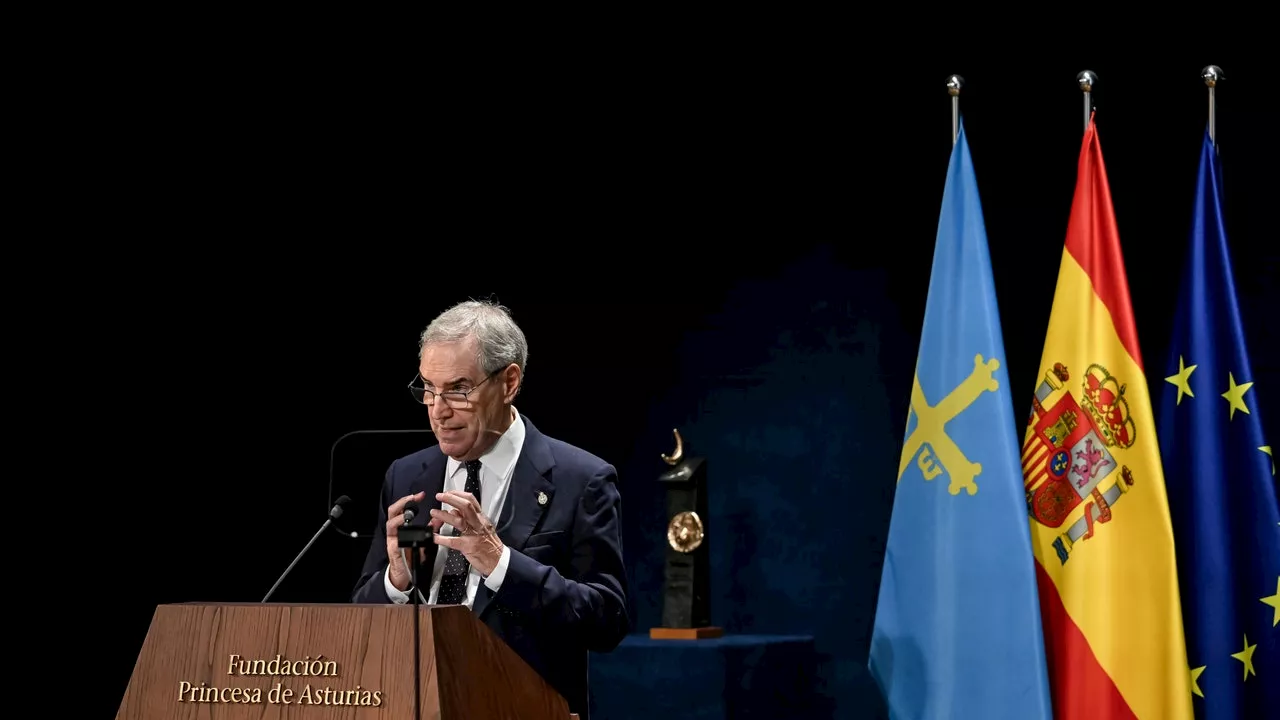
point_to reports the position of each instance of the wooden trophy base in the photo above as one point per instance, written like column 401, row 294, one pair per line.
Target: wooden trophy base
column 698, row 633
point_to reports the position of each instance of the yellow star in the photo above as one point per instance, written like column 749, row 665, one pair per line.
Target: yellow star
column 1195, row 677
column 1235, row 395
column 1182, row 380
column 1274, row 602
column 1246, row 656
column 1267, row 449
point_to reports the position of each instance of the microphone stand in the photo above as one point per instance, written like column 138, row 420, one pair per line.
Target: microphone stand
column 334, row 514
column 415, row 537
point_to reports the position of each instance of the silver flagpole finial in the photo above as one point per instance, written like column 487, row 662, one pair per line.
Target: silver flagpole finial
column 954, row 83
column 1211, row 75
column 1087, row 79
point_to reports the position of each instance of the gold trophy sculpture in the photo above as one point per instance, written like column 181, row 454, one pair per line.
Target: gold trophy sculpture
column 686, row 608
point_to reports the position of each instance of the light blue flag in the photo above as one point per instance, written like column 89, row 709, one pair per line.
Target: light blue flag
column 957, row 631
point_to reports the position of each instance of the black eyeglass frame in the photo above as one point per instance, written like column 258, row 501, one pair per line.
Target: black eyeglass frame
column 456, row 399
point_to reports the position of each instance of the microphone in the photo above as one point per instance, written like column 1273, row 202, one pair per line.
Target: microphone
column 334, row 513
column 414, row 537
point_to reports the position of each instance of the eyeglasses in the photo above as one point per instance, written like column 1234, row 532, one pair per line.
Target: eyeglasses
column 458, row 399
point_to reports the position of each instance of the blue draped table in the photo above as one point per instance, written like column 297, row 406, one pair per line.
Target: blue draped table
column 736, row 676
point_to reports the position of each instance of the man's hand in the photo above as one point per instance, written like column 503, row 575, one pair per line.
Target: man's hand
column 479, row 540
column 399, row 573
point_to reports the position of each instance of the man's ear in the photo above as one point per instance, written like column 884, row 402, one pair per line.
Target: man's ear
column 512, row 380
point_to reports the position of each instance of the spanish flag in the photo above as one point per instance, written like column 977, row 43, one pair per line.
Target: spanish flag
column 1100, row 524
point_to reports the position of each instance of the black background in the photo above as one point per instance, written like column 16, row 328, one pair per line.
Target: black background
column 662, row 230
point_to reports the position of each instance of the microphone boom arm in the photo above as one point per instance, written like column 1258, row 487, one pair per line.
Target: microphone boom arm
column 272, row 591
column 334, row 513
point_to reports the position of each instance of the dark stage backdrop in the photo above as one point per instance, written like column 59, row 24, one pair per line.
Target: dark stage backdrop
column 746, row 261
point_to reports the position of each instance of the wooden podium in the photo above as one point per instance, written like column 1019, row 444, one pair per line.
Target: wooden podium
column 218, row 661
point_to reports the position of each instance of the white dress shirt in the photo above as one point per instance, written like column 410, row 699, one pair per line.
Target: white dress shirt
column 496, row 468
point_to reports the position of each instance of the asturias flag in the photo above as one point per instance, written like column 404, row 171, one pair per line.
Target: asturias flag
column 1221, row 478
column 957, row 629
column 1100, row 521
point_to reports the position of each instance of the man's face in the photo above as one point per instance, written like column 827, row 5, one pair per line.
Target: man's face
column 466, row 428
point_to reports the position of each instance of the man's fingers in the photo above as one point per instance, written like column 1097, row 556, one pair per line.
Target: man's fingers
column 464, row 502
column 397, row 507
column 445, row 516
column 395, row 513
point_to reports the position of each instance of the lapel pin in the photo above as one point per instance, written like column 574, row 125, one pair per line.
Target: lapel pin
column 542, row 498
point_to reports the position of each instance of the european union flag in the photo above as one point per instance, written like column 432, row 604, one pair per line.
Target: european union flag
column 957, row 629
column 1220, row 476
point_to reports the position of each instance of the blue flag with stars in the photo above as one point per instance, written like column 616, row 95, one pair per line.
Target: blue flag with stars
column 957, row 630
column 1220, row 476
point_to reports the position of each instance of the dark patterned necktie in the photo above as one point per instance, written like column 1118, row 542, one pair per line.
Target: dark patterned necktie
column 453, row 584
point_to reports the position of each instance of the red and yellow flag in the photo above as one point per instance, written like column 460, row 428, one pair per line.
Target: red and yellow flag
column 1100, row 523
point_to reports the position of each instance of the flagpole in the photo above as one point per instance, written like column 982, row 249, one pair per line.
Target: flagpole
column 1212, row 74
column 1087, row 79
column 954, row 84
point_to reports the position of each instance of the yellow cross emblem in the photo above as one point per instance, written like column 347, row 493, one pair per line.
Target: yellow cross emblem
column 930, row 429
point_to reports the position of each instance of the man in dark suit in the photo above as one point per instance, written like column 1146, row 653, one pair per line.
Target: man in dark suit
column 527, row 526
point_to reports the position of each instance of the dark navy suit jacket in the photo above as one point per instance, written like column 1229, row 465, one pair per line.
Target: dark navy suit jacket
column 565, row 590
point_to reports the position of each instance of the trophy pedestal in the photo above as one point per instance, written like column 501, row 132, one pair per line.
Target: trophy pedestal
column 740, row 675
column 698, row 633
column 686, row 607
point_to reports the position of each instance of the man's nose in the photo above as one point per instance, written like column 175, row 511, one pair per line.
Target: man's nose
column 440, row 409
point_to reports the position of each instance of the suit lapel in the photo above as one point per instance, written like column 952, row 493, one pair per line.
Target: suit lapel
column 528, row 498
column 431, row 479
column 529, row 485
